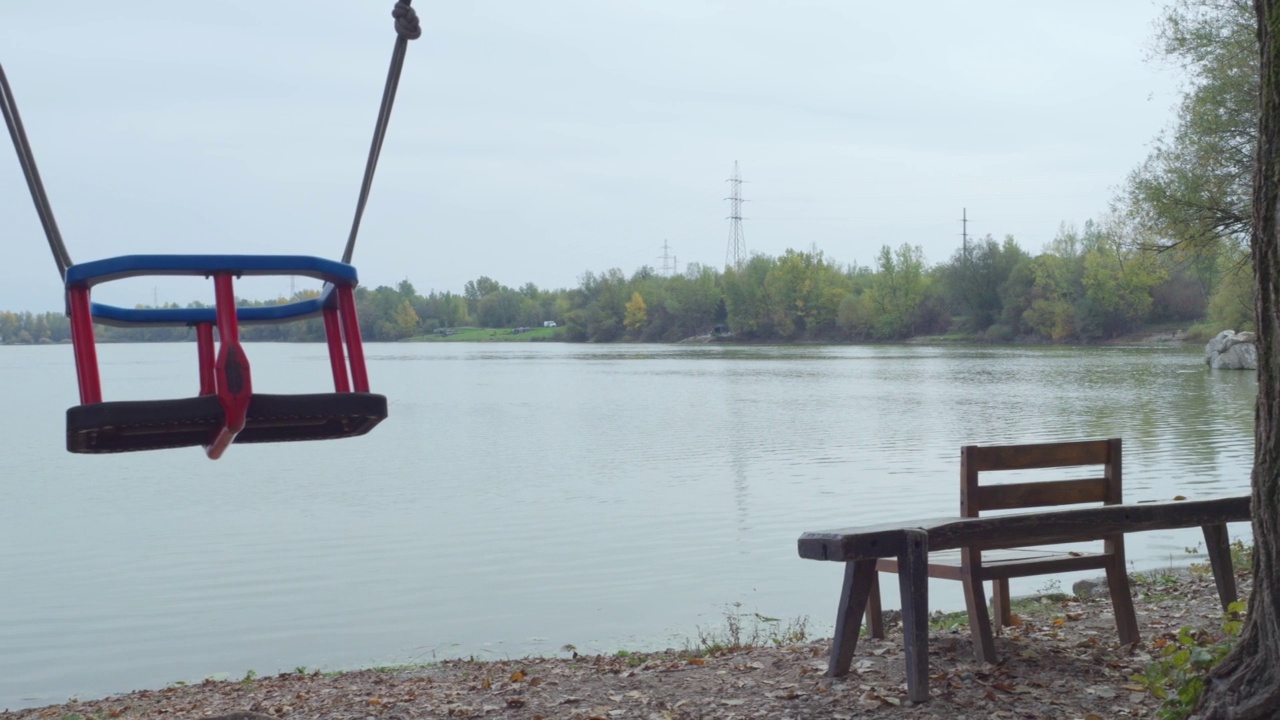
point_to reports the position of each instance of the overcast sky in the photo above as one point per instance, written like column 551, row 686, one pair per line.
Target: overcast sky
column 533, row 141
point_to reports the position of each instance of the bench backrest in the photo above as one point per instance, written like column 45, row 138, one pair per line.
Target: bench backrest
column 977, row 460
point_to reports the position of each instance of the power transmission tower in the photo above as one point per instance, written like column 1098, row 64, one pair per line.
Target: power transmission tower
column 964, row 231
column 668, row 260
column 736, row 254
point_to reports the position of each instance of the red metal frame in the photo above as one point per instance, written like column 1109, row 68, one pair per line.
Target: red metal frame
column 204, row 348
column 351, row 329
column 231, row 369
column 226, row 373
column 82, row 343
column 337, row 362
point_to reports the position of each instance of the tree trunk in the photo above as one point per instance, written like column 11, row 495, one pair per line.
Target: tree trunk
column 1246, row 684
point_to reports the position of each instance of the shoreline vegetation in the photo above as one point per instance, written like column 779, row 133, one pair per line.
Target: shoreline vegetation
column 1151, row 336
column 1061, row 659
column 1085, row 288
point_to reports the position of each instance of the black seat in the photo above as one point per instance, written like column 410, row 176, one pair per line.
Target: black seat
column 126, row 426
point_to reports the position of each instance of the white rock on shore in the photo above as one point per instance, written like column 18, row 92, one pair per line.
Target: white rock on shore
column 1229, row 350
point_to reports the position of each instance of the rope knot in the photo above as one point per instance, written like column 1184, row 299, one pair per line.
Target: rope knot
column 406, row 21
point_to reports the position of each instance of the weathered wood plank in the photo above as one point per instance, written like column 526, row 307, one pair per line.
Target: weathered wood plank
column 1021, row 529
column 1033, row 457
column 1042, row 494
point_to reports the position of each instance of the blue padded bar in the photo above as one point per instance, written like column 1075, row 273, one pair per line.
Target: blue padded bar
column 100, row 271
column 260, row 315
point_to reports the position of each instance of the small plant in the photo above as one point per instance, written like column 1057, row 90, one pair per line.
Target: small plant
column 300, row 670
column 745, row 630
column 1178, row 675
column 249, row 676
column 1052, row 586
column 1241, row 556
column 948, row 621
column 633, row 659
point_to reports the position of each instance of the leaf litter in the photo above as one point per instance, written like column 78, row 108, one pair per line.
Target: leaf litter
column 1062, row 660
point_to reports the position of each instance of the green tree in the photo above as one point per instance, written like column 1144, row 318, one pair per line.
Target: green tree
column 1050, row 301
column 746, row 298
column 1232, row 304
column 1116, row 285
column 972, row 280
column 476, row 290
column 1194, row 188
column 693, row 302
column 899, row 291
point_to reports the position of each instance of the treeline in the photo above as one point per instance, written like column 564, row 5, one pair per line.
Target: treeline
column 1087, row 285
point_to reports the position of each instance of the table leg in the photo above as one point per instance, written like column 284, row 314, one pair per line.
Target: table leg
column 1218, row 547
column 913, row 579
column 858, row 578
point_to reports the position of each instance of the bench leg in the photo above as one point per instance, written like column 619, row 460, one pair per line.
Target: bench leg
column 1122, row 602
column 875, row 612
column 1218, row 546
column 975, row 602
column 859, row 577
column 913, row 579
column 1000, row 603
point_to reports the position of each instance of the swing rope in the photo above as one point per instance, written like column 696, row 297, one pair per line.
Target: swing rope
column 407, row 28
column 9, row 107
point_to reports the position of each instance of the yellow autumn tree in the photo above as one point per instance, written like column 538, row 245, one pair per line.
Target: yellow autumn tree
column 406, row 319
column 637, row 313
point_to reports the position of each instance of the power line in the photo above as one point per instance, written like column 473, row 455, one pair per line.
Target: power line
column 736, row 254
column 668, row 260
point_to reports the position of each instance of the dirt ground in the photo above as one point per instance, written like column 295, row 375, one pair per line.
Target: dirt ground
column 1061, row 661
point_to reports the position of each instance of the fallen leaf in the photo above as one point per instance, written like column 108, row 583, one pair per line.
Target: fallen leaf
column 486, row 683
column 1103, row 691
column 517, row 676
column 1059, row 622
column 869, row 701
column 697, row 661
column 733, row 703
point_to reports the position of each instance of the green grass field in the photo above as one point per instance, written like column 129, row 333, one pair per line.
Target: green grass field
column 492, row 335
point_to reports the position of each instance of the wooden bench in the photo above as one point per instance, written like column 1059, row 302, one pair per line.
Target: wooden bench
column 859, row 548
column 1044, row 475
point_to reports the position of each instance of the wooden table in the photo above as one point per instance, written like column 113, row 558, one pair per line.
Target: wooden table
column 910, row 542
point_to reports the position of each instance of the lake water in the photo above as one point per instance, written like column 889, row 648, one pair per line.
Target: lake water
column 522, row 497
